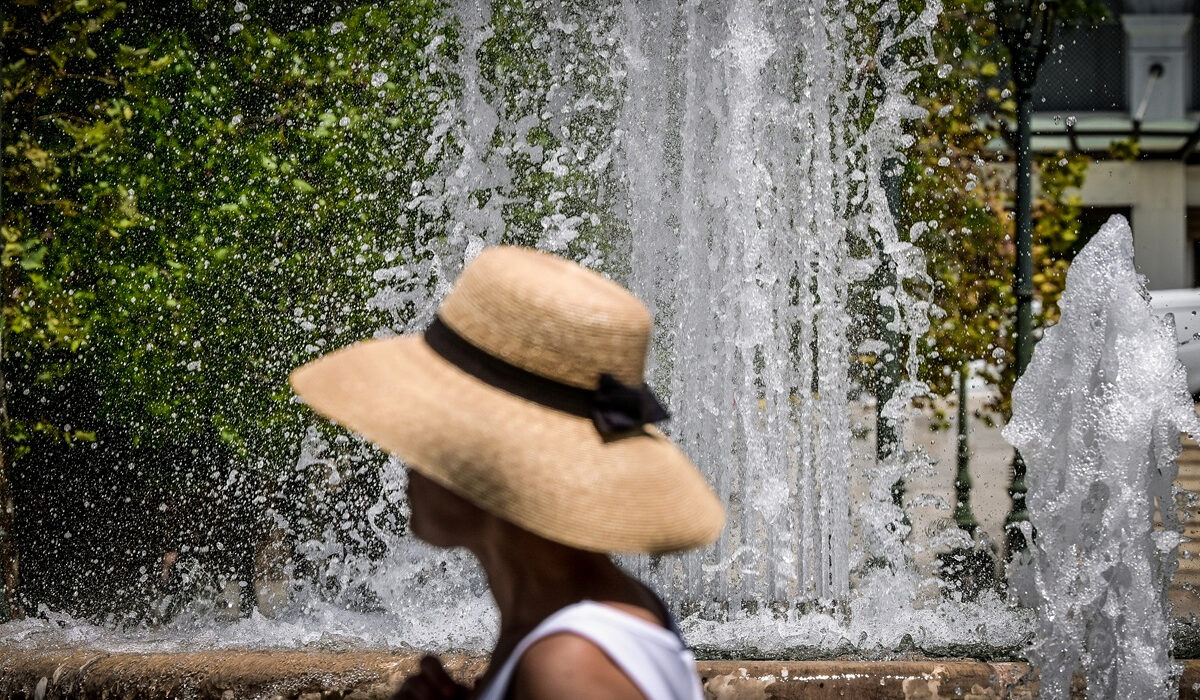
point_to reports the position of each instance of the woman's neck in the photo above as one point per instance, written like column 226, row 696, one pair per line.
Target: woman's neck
column 531, row 578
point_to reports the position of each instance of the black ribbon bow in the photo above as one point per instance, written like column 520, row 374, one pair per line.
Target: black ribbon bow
column 617, row 407
column 613, row 407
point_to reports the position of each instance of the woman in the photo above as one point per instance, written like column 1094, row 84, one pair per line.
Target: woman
column 526, row 424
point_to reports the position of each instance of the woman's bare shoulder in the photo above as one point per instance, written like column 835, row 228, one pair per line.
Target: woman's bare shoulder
column 567, row 665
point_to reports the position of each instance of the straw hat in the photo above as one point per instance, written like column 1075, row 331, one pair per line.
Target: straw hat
column 526, row 397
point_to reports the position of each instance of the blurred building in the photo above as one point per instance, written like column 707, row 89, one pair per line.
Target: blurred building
column 1133, row 78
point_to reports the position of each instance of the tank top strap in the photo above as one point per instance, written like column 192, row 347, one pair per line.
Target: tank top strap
column 665, row 612
column 654, row 658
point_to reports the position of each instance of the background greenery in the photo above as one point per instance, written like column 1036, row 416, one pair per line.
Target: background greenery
column 956, row 186
column 192, row 204
column 198, row 197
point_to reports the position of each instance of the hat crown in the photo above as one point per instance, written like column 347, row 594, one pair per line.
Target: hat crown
column 550, row 317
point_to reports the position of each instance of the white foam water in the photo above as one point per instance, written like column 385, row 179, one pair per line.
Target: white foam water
column 753, row 141
column 1097, row 417
column 735, row 151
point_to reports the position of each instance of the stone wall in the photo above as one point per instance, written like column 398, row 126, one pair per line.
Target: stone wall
column 45, row 674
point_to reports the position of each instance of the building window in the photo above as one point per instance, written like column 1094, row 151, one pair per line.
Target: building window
column 1193, row 234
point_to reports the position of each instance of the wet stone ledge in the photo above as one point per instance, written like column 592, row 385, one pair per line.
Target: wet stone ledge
column 44, row 674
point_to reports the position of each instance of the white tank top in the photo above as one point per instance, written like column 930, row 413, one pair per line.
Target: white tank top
column 653, row 657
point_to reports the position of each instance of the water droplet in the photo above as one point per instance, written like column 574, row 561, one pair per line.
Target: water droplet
column 235, row 28
column 337, row 28
column 378, row 78
column 1071, row 121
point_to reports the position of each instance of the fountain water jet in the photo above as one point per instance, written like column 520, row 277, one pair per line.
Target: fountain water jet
column 1098, row 416
column 749, row 140
column 753, row 140
column 732, row 154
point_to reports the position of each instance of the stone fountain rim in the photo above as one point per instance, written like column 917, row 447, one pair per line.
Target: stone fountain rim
column 314, row 674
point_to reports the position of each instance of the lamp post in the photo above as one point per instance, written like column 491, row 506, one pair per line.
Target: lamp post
column 968, row 569
column 1026, row 28
column 887, row 374
column 964, row 516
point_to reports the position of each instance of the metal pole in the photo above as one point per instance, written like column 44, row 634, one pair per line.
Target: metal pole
column 886, row 379
column 1027, row 29
column 1024, row 229
column 1023, row 288
column 887, row 376
column 964, row 517
column 887, row 373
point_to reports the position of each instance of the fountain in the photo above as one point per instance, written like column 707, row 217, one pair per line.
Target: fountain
column 725, row 239
column 733, row 240
column 1098, row 416
column 728, row 161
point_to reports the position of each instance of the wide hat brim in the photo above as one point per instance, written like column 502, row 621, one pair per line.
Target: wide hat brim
column 545, row 470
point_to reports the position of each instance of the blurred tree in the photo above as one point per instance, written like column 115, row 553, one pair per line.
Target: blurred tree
column 958, row 199
column 200, row 196
column 958, row 209
column 194, row 203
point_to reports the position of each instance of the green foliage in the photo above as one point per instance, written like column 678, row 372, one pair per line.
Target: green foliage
column 199, row 197
column 57, row 218
column 958, row 200
column 195, row 202
column 185, row 222
column 268, row 214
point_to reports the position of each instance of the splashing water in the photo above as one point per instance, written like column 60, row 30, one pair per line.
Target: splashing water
column 507, row 152
column 726, row 160
column 1097, row 417
column 748, row 152
column 751, row 174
